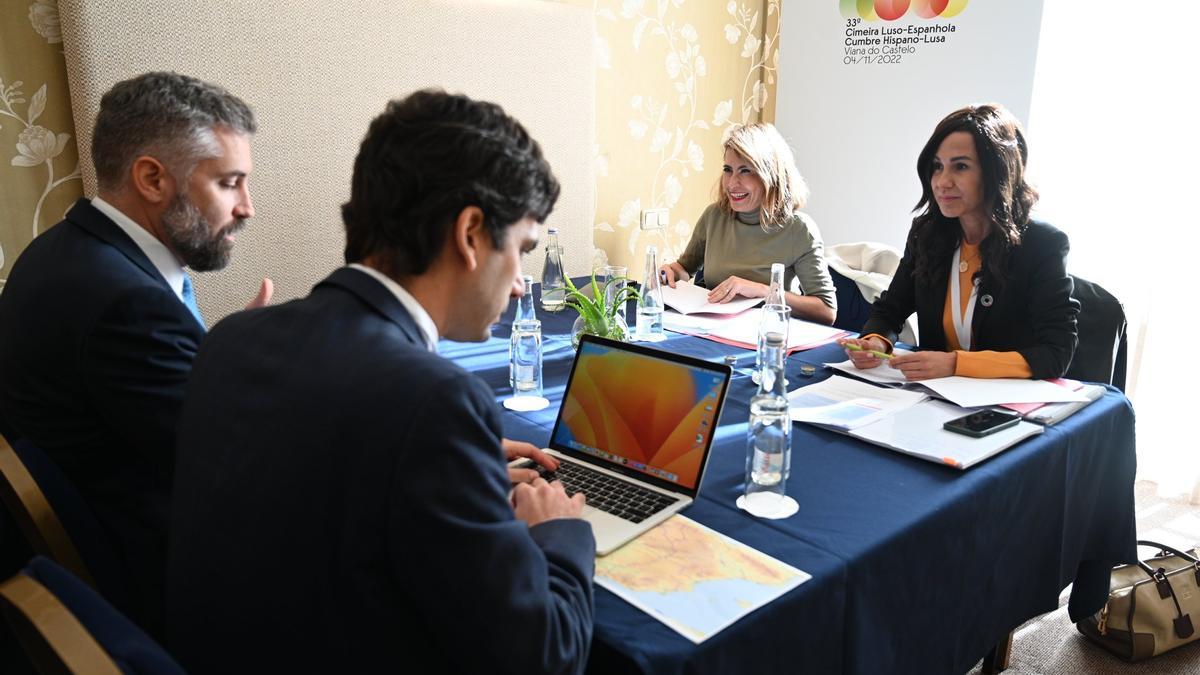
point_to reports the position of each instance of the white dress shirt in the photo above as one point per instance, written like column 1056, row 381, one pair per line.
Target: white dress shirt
column 424, row 321
column 160, row 256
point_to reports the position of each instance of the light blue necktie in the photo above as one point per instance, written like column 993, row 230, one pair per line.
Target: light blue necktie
column 189, row 299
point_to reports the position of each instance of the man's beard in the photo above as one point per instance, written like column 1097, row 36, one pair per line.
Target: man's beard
column 191, row 237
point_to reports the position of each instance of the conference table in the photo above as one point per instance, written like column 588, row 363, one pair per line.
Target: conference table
column 916, row 567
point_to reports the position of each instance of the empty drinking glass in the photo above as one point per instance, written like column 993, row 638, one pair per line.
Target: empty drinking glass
column 611, row 290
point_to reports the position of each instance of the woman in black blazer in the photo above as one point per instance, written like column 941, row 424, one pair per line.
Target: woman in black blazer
column 989, row 285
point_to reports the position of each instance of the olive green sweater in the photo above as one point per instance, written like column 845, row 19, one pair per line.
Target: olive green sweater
column 738, row 246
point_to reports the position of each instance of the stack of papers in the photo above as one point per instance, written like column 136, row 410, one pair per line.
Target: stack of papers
column 694, row 324
column 969, row 392
column 918, row 431
column 899, row 415
column 741, row 329
column 1053, row 413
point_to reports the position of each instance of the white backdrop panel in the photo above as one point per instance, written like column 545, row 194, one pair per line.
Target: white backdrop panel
column 857, row 128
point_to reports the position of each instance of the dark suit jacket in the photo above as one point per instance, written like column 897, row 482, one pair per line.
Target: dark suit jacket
column 95, row 349
column 341, row 506
column 1033, row 313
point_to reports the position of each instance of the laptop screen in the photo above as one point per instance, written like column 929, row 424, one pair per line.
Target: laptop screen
column 650, row 413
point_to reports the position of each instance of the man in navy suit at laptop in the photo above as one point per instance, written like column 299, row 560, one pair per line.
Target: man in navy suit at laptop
column 98, row 320
column 342, row 500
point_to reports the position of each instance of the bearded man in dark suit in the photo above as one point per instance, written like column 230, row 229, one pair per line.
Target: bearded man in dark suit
column 98, row 319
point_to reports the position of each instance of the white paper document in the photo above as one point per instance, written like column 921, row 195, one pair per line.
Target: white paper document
column 844, row 403
column 918, row 431
column 969, row 392
column 743, row 329
column 694, row 324
column 973, row 392
column 688, row 298
column 1053, row 413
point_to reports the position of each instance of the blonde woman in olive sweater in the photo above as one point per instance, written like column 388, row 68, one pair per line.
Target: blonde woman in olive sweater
column 756, row 221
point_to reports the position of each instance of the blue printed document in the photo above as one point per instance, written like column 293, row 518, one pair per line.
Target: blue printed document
column 845, row 403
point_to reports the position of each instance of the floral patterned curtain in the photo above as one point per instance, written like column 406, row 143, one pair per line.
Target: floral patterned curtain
column 39, row 162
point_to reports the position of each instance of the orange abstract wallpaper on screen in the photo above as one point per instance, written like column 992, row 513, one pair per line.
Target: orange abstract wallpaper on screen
column 618, row 402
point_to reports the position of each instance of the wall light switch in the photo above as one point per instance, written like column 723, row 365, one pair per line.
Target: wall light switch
column 654, row 219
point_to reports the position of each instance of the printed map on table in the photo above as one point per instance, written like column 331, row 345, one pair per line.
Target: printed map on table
column 695, row 580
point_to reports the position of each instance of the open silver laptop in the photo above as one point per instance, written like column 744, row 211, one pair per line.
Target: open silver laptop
column 634, row 433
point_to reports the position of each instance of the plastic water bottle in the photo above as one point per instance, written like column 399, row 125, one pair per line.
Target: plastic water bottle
column 769, row 436
column 554, row 288
column 525, row 310
column 650, row 305
column 525, row 358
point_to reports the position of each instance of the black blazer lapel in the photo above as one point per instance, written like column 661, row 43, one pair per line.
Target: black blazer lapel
column 376, row 296
column 984, row 300
column 93, row 221
column 931, row 304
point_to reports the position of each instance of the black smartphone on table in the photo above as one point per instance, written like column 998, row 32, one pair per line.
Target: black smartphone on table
column 982, row 423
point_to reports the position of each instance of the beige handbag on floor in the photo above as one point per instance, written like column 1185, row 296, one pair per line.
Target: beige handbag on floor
column 1153, row 606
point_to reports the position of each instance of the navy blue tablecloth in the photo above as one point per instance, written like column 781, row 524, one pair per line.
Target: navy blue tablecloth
column 917, row 567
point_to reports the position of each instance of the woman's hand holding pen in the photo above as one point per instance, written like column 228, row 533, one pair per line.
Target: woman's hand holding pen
column 869, row 353
column 865, row 354
column 671, row 272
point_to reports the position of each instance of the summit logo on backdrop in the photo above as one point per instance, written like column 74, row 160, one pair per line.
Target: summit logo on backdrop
column 891, row 10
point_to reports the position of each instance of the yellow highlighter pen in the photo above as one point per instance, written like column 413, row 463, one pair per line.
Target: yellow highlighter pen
column 855, row 348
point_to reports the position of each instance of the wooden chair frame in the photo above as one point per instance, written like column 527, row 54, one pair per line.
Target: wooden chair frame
column 36, row 517
column 53, row 637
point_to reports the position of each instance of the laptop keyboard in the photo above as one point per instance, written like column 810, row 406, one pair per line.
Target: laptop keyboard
column 611, row 495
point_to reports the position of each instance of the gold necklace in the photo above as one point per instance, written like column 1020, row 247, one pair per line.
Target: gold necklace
column 962, row 265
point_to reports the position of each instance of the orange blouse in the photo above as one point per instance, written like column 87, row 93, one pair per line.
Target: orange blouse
column 985, row 363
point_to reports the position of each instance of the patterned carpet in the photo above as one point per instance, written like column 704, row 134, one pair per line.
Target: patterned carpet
column 1051, row 645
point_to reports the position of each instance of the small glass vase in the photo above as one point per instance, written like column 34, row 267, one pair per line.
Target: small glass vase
column 617, row 329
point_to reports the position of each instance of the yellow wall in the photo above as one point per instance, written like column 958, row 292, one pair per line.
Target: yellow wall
column 672, row 76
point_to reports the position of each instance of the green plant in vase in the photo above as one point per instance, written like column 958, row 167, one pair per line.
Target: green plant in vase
column 597, row 314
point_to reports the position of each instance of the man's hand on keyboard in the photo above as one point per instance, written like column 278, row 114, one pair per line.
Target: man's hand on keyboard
column 520, row 449
column 538, row 501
